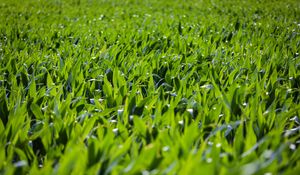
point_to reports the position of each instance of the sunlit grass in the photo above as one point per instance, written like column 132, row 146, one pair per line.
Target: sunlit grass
column 149, row 87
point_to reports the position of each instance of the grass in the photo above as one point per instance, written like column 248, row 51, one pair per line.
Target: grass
column 149, row 87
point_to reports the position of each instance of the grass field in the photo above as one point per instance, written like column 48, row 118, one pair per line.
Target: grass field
column 149, row 87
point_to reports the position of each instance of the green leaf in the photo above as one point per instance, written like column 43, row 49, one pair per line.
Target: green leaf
column 36, row 111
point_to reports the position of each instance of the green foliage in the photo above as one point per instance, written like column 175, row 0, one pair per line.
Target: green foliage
column 149, row 87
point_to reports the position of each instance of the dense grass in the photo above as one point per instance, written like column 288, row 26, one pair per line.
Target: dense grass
column 149, row 87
